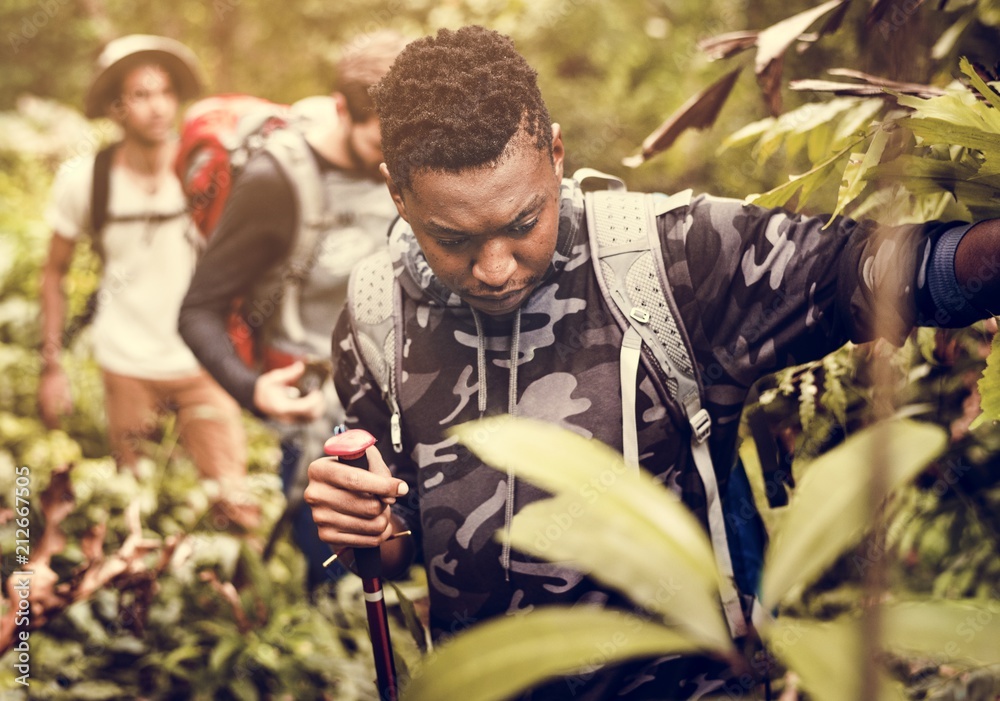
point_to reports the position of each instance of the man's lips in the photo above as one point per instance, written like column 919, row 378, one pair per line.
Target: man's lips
column 497, row 302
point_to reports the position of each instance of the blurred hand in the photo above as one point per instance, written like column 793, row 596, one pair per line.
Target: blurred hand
column 276, row 395
column 54, row 400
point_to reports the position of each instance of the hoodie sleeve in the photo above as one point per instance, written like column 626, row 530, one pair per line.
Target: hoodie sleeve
column 762, row 289
column 254, row 234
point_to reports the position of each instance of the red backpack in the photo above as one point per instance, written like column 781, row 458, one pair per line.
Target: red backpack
column 218, row 137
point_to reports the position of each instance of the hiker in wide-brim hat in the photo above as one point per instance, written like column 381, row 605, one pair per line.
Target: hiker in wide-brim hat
column 124, row 53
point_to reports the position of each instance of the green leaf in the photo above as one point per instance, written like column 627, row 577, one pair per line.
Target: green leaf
column 244, row 689
column 856, row 173
column 803, row 185
column 505, row 656
column 827, row 656
column 939, row 131
column 959, row 108
column 856, row 120
column 96, row 690
column 613, row 521
column 965, row 631
column 224, row 652
column 747, row 134
column 608, row 542
column 979, row 84
column 989, row 387
column 829, row 511
column 410, row 617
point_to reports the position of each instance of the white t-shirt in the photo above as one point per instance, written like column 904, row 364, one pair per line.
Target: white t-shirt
column 147, row 269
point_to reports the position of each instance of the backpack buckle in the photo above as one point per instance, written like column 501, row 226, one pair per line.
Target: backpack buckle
column 701, row 424
column 640, row 315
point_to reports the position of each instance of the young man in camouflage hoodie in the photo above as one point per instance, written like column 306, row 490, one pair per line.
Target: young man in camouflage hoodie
column 502, row 313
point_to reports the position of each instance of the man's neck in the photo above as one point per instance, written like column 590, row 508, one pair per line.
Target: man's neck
column 331, row 143
column 148, row 160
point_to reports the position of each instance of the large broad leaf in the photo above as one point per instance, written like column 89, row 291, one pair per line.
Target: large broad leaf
column 963, row 631
column 830, row 510
column 500, row 658
column 615, row 547
column 989, row 387
column 700, row 112
column 611, row 520
column 826, row 656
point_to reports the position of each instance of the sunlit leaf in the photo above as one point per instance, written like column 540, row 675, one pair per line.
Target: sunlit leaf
column 855, row 178
column 830, row 511
column 963, row 631
column 959, row 108
column 938, row 131
column 747, row 134
column 502, row 657
column 802, row 185
column 988, row 93
column 609, row 517
column 826, row 656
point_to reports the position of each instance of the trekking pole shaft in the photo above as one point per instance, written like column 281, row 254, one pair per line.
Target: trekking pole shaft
column 369, row 563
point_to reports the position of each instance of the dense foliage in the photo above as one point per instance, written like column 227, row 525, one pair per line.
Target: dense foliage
column 151, row 592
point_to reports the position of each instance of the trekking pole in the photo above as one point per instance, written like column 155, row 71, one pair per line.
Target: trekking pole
column 349, row 448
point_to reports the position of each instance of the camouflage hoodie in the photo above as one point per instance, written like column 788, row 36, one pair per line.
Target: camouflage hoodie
column 757, row 290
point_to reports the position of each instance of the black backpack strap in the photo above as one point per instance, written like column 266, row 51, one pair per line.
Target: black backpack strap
column 100, row 193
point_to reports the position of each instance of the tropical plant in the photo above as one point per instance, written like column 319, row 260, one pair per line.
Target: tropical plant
column 636, row 534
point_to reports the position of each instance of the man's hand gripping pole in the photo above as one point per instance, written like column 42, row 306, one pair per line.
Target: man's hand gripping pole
column 349, row 448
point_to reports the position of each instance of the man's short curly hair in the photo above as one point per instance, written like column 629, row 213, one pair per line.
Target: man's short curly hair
column 454, row 101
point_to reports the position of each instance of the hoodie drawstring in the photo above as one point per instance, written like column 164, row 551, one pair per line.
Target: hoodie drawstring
column 515, row 344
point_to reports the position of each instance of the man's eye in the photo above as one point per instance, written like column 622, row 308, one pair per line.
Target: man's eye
column 524, row 228
column 450, row 243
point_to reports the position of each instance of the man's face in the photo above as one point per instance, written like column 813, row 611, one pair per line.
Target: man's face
column 364, row 144
column 489, row 233
column 148, row 104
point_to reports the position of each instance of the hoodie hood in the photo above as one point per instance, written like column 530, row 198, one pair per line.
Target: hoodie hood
column 419, row 281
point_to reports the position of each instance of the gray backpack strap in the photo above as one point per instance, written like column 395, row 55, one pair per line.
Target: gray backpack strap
column 373, row 301
column 290, row 150
column 625, row 246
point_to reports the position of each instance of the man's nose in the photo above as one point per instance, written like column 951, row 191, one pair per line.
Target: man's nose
column 495, row 263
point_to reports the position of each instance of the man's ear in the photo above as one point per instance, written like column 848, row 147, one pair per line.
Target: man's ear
column 340, row 103
column 558, row 150
column 394, row 191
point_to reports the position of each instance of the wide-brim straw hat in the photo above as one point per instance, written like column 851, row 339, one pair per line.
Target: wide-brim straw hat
column 122, row 54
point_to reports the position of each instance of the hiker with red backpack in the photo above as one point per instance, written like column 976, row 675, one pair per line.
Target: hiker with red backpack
column 307, row 204
column 128, row 201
